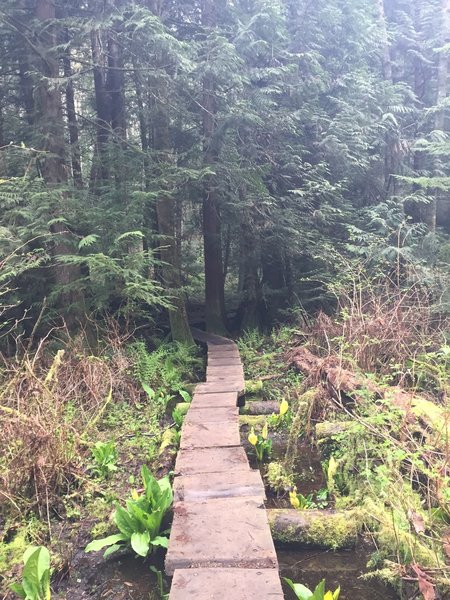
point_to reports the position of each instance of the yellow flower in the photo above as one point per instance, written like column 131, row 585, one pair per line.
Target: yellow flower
column 253, row 438
column 134, row 495
column 265, row 431
column 293, row 498
column 284, row 407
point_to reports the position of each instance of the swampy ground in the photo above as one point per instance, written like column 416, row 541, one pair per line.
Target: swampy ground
column 386, row 464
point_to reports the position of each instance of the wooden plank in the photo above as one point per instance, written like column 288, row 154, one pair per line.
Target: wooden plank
column 208, row 400
column 215, row 414
column 229, row 532
column 196, row 434
column 229, row 484
column 211, row 460
column 218, row 584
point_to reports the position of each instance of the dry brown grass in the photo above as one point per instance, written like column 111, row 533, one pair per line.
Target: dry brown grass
column 49, row 404
column 379, row 328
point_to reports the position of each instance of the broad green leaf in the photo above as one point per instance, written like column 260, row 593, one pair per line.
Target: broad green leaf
column 146, row 521
column 319, row 592
column 31, row 589
column 152, row 489
column 17, row 588
column 140, row 542
column 37, row 563
column 97, row 545
column 112, row 549
column 301, row 591
column 148, row 390
column 124, row 521
column 45, row 585
column 185, row 395
column 160, row 541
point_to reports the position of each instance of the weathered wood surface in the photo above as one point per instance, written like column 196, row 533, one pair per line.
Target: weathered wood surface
column 220, row 544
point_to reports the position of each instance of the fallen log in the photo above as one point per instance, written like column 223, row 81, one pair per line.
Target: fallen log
column 260, row 407
column 319, row 528
column 328, row 429
column 252, row 420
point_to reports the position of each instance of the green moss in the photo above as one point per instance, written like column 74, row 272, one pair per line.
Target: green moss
column 183, row 407
column 277, row 477
column 336, row 531
column 298, row 426
column 433, row 416
column 11, row 552
column 316, row 528
column 252, row 420
column 289, row 535
column 101, row 510
column 169, row 440
column 253, row 387
column 392, row 531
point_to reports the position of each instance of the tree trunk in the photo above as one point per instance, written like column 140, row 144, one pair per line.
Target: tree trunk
column 441, row 204
column 115, row 85
column 212, row 239
column 100, row 170
column 248, row 312
column 386, row 56
column 74, row 137
column 166, row 214
column 50, row 130
column 390, row 162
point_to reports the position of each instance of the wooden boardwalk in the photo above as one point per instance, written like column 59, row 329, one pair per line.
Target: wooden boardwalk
column 220, row 545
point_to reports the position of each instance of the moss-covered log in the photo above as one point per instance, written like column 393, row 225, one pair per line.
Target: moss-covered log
column 326, row 430
column 260, row 407
column 320, row 528
column 252, row 420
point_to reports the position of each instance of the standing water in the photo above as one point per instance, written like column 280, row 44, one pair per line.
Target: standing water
column 341, row 568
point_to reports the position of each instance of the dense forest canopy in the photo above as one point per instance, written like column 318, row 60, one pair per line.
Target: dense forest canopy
column 257, row 150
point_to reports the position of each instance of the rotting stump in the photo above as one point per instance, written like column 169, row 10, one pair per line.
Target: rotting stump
column 220, row 544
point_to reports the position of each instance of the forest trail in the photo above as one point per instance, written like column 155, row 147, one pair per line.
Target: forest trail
column 220, row 544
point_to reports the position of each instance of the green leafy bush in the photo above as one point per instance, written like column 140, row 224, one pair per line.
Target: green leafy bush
column 139, row 524
column 105, row 457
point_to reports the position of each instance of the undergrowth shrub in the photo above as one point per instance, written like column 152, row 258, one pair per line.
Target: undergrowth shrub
column 53, row 401
column 380, row 327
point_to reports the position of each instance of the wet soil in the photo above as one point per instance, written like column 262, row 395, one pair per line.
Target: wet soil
column 124, row 577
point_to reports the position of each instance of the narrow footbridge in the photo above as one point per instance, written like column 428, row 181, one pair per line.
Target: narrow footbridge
column 220, row 545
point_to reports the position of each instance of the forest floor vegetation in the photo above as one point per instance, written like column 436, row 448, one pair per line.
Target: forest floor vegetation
column 368, row 426
column 77, row 427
